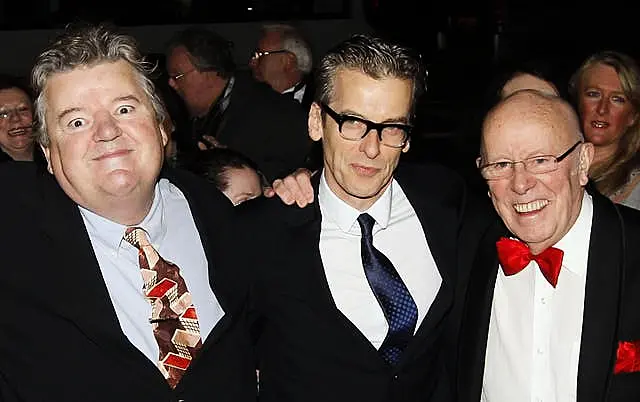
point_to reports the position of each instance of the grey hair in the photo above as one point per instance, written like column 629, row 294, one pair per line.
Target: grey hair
column 293, row 42
column 373, row 56
column 88, row 45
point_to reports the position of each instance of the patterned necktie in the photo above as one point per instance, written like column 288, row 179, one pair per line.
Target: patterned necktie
column 515, row 255
column 393, row 296
column 173, row 316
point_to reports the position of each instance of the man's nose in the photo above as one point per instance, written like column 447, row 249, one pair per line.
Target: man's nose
column 106, row 128
column 370, row 144
column 522, row 180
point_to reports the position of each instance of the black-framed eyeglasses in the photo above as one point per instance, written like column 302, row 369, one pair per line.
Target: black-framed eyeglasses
column 354, row 128
column 259, row 53
column 178, row 76
column 535, row 165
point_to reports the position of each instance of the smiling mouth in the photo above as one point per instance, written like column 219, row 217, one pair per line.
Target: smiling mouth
column 599, row 124
column 16, row 132
column 112, row 154
column 532, row 206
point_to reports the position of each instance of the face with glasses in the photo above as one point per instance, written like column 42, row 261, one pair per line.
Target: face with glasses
column 192, row 86
column 269, row 61
column 536, row 165
column 364, row 129
column 16, row 118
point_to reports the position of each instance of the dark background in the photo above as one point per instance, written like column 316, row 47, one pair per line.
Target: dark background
column 462, row 42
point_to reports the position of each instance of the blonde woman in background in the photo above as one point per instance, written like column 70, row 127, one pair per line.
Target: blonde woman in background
column 606, row 91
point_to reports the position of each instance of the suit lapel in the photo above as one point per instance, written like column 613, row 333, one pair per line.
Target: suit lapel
column 306, row 226
column 474, row 331
column 228, row 290
column 440, row 226
column 89, row 305
column 601, row 306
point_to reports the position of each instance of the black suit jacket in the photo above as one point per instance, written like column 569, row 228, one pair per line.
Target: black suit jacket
column 612, row 299
column 309, row 351
column 267, row 127
column 60, row 339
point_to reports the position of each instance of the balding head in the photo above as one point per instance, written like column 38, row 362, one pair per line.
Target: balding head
column 538, row 197
column 534, row 106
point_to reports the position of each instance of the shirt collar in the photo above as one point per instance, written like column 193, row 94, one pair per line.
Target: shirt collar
column 345, row 216
column 575, row 243
column 111, row 233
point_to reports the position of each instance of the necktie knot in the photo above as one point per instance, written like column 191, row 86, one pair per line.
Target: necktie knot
column 366, row 222
column 514, row 256
column 136, row 236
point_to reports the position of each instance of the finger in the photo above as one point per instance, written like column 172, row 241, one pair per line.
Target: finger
column 268, row 192
column 281, row 191
column 303, row 179
column 291, row 183
column 202, row 146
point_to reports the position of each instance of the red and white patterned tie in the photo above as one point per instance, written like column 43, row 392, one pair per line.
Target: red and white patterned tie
column 173, row 316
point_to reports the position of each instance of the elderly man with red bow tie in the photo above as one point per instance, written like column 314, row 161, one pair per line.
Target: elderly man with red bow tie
column 551, row 305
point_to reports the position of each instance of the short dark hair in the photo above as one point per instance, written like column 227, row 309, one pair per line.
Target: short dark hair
column 8, row 81
column 374, row 56
column 208, row 50
column 212, row 164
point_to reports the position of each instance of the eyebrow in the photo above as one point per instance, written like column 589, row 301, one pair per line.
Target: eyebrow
column 115, row 100
column 392, row 120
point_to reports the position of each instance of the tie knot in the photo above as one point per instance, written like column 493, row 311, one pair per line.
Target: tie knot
column 136, row 236
column 366, row 222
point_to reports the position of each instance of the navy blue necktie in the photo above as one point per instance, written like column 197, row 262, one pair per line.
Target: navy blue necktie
column 393, row 296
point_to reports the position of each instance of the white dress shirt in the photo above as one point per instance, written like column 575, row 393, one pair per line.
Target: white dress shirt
column 398, row 234
column 535, row 330
column 173, row 233
column 299, row 94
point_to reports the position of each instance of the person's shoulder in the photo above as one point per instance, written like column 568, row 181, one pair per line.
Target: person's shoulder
column 261, row 94
column 430, row 180
column 20, row 178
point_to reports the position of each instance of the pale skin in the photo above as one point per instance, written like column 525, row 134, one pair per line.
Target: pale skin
column 358, row 172
column 106, row 143
column 605, row 110
column 538, row 208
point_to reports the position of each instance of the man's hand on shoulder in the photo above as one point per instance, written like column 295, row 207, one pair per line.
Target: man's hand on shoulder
column 295, row 188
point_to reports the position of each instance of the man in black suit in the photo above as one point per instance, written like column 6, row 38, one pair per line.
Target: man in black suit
column 229, row 108
column 550, row 311
column 352, row 292
column 81, row 241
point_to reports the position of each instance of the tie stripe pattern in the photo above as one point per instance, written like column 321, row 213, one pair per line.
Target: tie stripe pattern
column 173, row 316
column 392, row 294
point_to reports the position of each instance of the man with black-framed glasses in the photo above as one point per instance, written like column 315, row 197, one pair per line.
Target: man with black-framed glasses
column 353, row 291
column 550, row 309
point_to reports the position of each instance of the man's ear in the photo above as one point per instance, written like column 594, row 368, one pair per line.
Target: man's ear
column 586, row 157
column 406, row 146
column 47, row 155
column 314, row 122
column 163, row 133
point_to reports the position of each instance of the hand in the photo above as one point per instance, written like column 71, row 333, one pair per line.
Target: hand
column 209, row 142
column 294, row 188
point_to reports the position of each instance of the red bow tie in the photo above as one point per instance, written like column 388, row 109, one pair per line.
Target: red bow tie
column 515, row 255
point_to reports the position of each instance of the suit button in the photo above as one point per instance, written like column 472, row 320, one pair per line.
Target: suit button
column 396, row 376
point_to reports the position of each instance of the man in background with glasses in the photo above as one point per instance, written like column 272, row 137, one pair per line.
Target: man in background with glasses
column 283, row 59
column 551, row 306
column 353, row 291
column 230, row 109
